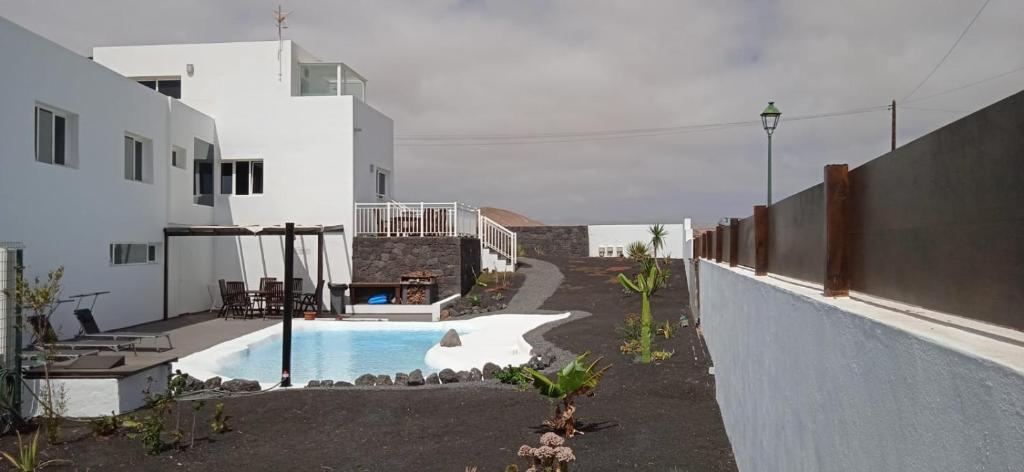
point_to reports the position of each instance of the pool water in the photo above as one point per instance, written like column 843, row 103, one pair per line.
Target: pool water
column 336, row 355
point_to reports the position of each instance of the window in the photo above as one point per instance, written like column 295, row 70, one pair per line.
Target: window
column 382, row 183
column 257, row 177
column 51, row 136
column 226, row 177
column 169, row 87
column 133, row 253
column 178, row 157
column 202, row 173
column 241, row 178
column 135, row 162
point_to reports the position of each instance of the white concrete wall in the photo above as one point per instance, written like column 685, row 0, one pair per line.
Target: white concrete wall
column 316, row 151
column 68, row 216
column 677, row 244
column 807, row 383
column 92, row 397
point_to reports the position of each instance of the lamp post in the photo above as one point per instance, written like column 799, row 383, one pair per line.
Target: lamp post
column 770, row 119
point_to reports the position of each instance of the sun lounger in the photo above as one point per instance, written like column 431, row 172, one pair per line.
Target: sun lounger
column 91, row 332
column 110, row 345
column 42, row 327
column 32, row 355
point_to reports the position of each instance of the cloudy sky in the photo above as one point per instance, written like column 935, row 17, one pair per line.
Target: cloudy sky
column 589, row 111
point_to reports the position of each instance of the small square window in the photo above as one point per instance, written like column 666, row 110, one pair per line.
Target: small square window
column 178, row 157
column 53, row 137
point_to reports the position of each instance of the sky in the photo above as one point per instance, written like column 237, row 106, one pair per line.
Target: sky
column 522, row 104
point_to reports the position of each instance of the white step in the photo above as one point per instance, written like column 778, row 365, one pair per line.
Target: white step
column 494, row 262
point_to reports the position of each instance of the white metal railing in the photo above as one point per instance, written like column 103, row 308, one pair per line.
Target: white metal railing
column 394, row 219
column 498, row 238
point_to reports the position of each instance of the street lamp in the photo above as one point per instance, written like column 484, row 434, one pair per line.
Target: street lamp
column 770, row 119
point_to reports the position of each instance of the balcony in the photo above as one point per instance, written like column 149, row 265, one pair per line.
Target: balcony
column 330, row 79
column 393, row 219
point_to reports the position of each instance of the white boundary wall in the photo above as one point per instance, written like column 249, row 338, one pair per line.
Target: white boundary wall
column 92, row 397
column 678, row 244
column 808, row 383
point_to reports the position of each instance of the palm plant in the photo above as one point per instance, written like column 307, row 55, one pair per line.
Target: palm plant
column 574, row 380
column 644, row 283
column 658, row 236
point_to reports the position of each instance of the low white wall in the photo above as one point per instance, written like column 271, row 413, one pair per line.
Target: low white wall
column 91, row 397
column 808, row 383
column 677, row 244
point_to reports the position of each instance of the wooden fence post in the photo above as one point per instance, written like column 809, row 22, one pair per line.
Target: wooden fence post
column 734, row 242
column 761, row 240
column 837, row 192
column 718, row 243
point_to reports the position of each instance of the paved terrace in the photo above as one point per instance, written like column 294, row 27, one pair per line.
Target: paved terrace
column 189, row 334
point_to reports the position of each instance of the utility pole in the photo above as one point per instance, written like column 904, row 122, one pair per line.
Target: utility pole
column 893, row 108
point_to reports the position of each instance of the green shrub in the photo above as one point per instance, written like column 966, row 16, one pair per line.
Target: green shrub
column 514, row 376
column 105, row 425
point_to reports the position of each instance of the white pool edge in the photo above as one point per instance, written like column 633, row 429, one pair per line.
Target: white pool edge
column 492, row 338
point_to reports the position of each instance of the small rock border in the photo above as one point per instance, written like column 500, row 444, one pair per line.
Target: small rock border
column 544, row 356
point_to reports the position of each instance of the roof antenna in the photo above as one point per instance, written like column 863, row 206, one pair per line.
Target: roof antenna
column 279, row 17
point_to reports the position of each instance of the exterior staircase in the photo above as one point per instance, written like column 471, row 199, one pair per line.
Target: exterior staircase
column 498, row 246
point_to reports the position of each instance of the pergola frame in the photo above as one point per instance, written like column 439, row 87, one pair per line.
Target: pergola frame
column 228, row 230
column 289, row 231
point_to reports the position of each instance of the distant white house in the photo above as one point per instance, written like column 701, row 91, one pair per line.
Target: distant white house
column 99, row 156
column 614, row 240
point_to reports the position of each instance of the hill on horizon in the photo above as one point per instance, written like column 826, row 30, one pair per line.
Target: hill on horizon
column 508, row 218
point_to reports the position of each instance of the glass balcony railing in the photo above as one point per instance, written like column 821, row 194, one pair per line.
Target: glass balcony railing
column 325, row 79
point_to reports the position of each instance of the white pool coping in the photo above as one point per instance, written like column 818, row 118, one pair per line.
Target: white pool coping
column 493, row 338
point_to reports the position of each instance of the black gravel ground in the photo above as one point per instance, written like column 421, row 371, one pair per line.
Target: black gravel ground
column 659, row 417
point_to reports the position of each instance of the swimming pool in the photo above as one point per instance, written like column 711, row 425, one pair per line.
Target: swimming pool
column 344, row 350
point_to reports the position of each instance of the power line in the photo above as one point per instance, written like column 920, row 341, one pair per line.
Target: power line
column 563, row 134
column 905, row 107
column 967, row 85
column 455, row 140
column 950, row 51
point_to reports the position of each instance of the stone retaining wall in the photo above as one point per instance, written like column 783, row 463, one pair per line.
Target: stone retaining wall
column 456, row 260
column 556, row 241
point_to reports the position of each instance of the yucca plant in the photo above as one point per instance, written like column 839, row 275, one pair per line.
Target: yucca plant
column 28, row 456
column 645, row 283
column 574, row 380
column 637, row 251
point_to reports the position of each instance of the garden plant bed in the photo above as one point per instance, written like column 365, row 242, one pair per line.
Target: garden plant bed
column 657, row 417
column 499, row 290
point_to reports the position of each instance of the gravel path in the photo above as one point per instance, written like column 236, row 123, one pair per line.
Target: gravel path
column 542, row 279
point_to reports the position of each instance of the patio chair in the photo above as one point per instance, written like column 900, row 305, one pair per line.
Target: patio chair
column 274, row 299
column 223, row 298
column 307, row 301
column 91, row 331
column 236, row 301
column 297, row 284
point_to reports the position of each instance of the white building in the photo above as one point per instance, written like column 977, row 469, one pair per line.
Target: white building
column 96, row 162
